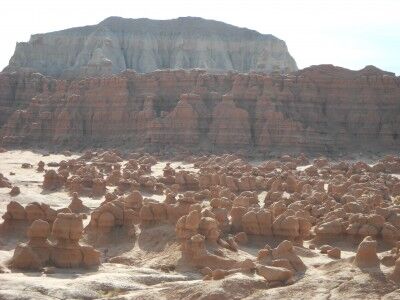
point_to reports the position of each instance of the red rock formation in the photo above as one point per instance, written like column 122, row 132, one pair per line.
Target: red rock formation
column 316, row 109
column 67, row 252
column 36, row 253
column 116, row 215
column 181, row 126
column 4, row 182
column 40, row 167
column 76, row 205
column 366, row 253
column 230, row 126
column 15, row 191
column 17, row 218
column 17, row 90
column 284, row 251
column 53, row 180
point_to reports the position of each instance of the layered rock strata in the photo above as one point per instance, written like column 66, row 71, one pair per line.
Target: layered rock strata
column 144, row 45
column 321, row 108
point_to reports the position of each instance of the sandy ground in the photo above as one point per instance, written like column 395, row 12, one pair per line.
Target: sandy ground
column 29, row 180
column 140, row 275
column 140, row 278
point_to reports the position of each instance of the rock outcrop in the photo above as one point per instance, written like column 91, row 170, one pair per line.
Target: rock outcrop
column 67, row 252
column 76, row 205
column 144, row 45
column 67, row 229
column 321, row 108
column 284, row 251
column 17, row 218
column 36, row 253
column 366, row 253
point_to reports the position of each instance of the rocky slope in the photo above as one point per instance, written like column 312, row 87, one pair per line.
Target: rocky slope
column 318, row 109
column 144, row 45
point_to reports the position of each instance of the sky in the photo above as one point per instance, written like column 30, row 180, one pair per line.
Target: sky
column 346, row 33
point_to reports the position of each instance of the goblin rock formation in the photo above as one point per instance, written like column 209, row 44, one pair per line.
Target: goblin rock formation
column 17, row 218
column 76, row 205
column 66, row 252
column 36, row 253
column 144, row 45
column 321, row 108
column 287, row 222
column 152, row 191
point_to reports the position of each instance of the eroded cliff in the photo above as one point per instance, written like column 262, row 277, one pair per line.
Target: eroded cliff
column 321, row 108
column 144, row 45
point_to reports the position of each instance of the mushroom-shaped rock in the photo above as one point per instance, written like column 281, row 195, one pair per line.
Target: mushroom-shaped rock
column 188, row 225
column 15, row 211
column 34, row 212
column 39, row 229
column 67, row 253
column 67, row 226
column 36, row 253
column 40, row 167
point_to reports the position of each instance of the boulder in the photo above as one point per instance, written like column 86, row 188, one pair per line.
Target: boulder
column 274, row 273
column 366, row 253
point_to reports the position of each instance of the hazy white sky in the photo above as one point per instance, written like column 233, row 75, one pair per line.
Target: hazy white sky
column 348, row 33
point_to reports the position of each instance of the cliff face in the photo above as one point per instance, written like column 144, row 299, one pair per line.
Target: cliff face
column 321, row 108
column 17, row 91
column 144, row 45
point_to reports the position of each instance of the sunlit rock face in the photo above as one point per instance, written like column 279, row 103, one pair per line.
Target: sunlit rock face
column 323, row 109
column 145, row 45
